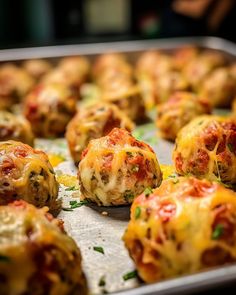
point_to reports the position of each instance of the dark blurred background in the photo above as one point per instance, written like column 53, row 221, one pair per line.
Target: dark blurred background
column 26, row 23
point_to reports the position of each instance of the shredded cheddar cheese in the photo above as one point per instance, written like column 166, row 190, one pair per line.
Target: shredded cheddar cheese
column 68, row 180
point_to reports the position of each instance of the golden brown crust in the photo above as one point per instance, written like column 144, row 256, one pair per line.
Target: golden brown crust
column 182, row 227
column 49, row 108
column 117, row 167
column 219, row 88
column 15, row 83
column 13, row 127
column 26, row 174
column 94, row 122
column 206, row 148
column 37, row 256
column 37, row 68
column 179, row 110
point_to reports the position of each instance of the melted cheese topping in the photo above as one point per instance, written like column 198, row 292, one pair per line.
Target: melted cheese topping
column 26, row 234
column 55, row 159
column 179, row 110
column 15, row 128
column 49, row 108
column 68, row 180
column 121, row 180
column 27, row 174
column 166, row 247
column 167, row 170
column 190, row 140
column 89, row 124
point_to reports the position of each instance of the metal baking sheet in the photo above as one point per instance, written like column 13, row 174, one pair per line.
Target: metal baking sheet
column 89, row 225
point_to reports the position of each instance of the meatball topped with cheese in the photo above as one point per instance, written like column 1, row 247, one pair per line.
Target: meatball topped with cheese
column 182, row 56
column 182, row 227
column 219, row 88
column 179, row 110
column 128, row 99
column 49, row 108
column 169, row 83
column 37, row 68
column 15, row 127
column 15, row 83
column 37, row 256
column 206, row 148
column 76, row 68
column 94, row 122
column 26, row 174
column 116, row 168
column 198, row 68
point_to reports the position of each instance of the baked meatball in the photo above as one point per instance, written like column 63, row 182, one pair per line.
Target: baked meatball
column 183, row 226
column 49, row 108
column 106, row 61
column 76, row 68
column 219, row 87
column 37, row 256
column 182, row 56
column 198, row 68
column 206, row 148
column 152, row 66
column 15, row 127
column 26, row 174
column 15, row 83
column 117, row 167
column 37, row 68
column 128, row 99
column 167, row 84
column 179, row 110
column 146, row 63
column 94, row 122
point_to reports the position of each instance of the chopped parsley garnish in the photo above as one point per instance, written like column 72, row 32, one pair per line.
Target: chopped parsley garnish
column 147, row 191
column 137, row 212
column 130, row 275
column 75, row 204
column 102, row 282
column 230, row 147
column 4, row 258
column 128, row 196
column 218, row 231
column 129, row 154
column 98, row 249
column 71, row 188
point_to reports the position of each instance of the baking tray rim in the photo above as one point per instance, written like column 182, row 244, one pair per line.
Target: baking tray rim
column 57, row 51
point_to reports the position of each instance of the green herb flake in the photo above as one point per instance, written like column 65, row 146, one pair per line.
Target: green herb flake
column 4, row 258
column 130, row 275
column 230, row 147
column 147, row 191
column 137, row 212
column 130, row 154
column 71, row 188
column 75, row 204
column 98, row 249
column 102, row 282
column 218, row 231
column 128, row 196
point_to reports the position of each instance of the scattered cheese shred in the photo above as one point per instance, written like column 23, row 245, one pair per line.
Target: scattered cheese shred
column 167, row 170
column 55, row 159
column 68, row 180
